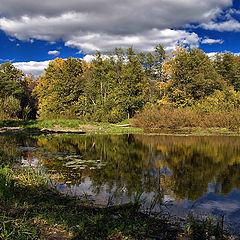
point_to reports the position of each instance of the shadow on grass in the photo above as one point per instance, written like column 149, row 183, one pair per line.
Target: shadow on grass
column 17, row 123
column 30, row 208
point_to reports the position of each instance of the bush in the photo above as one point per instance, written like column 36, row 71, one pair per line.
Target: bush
column 230, row 120
column 166, row 118
column 183, row 117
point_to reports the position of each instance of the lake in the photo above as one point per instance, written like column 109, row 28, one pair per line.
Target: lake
column 198, row 174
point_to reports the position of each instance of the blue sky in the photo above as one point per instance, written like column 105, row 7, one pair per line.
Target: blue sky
column 31, row 34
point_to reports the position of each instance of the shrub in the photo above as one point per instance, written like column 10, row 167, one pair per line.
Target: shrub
column 183, row 117
column 166, row 118
column 230, row 120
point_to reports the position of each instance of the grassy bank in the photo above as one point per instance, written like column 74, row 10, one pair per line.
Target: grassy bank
column 89, row 127
column 30, row 209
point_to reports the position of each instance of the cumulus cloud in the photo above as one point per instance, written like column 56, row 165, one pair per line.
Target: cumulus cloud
column 91, row 25
column 229, row 25
column 211, row 41
column 145, row 41
column 33, row 67
column 151, row 13
column 54, row 53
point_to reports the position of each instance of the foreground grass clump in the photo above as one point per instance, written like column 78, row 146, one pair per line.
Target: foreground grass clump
column 175, row 118
column 204, row 229
column 30, row 208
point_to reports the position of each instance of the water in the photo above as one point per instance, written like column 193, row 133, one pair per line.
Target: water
column 201, row 174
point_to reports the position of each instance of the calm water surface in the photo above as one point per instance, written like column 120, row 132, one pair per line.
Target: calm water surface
column 185, row 173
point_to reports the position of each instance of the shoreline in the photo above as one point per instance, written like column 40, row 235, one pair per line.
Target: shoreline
column 66, row 217
column 38, row 127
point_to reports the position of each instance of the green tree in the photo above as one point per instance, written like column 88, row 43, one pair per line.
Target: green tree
column 10, row 81
column 16, row 89
column 116, row 88
column 131, row 91
column 228, row 66
column 99, row 88
column 153, row 66
column 193, row 73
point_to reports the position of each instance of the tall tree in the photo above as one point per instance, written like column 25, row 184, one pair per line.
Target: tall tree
column 153, row 66
column 131, row 94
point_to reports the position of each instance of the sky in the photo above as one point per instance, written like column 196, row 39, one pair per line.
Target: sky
column 32, row 33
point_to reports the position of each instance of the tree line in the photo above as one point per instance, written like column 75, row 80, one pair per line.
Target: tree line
column 117, row 86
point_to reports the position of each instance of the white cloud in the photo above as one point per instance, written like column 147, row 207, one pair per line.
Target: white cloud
column 231, row 25
column 134, row 12
column 145, row 41
column 88, row 58
column 213, row 54
column 37, row 68
column 54, row 53
column 102, row 25
column 33, row 67
column 211, row 41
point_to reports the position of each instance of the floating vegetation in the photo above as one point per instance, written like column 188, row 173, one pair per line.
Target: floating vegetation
column 84, row 163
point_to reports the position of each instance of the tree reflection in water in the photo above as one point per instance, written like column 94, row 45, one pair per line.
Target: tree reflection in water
column 181, row 167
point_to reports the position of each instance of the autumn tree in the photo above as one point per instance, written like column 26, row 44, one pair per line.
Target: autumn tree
column 59, row 88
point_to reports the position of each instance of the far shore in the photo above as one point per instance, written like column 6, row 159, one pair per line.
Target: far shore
column 81, row 127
